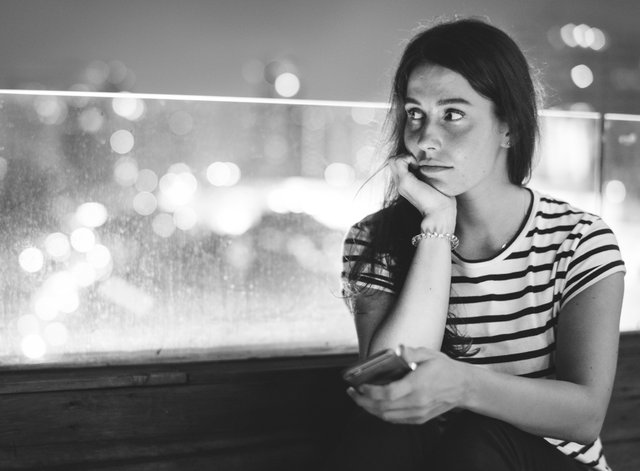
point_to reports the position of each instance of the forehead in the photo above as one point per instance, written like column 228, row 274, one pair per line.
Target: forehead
column 434, row 81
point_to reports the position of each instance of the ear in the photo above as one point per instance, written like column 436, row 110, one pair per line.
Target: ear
column 506, row 140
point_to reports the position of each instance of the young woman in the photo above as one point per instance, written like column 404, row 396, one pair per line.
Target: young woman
column 508, row 300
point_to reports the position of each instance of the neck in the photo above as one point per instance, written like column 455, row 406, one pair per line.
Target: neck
column 489, row 219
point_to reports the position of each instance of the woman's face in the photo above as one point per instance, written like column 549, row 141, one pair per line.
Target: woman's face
column 453, row 132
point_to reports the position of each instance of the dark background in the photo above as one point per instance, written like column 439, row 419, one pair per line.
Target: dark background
column 341, row 50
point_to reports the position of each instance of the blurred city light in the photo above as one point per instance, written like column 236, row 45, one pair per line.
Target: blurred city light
column 582, row 76
column 125, row 171
column 33, row 347
column 145, row 203
column 91, row 214
column 57, row 246
column 363, row 116
column 91, row 120
column 84, row 274
column 121, row 141
column 127, row 107
column 176, row 189
column 185, row 218
column 31, row 260
column 584, row 36
column 287, row 84
column 163, row 225
column 50, row 109
column 83, row 239
column 99, row 257
column 615, row 191
column 146, row 180
column 62, row 289
column 223, row 173
column 339, row 174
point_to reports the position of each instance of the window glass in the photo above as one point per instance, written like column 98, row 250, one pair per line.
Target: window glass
column 621, row 202
column 138, row 228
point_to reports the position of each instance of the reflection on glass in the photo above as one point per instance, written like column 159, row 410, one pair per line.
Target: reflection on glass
column 139, row 228
column 621, row 202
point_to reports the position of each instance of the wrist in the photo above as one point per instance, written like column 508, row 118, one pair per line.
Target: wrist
column 466, row 385
column 438, row 225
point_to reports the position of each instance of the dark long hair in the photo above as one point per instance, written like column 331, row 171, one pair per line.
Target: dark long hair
column 496, row 68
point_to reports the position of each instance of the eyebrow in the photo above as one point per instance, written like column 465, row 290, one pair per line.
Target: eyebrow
column 443, row 102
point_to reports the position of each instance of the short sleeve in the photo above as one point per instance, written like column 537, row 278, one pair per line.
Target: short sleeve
column 362, row 271
column 596, row 256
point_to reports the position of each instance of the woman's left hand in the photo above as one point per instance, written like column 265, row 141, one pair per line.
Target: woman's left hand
column 435, row 387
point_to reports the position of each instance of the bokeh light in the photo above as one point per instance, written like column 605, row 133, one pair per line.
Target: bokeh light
column 122, row 141
column 31, row 259
column 146, row 180
column 91, row 214
column 33, row 347
column 176, row 189
column 339, row 174
column 83, row 239
column 163, row 225
column 145, row 203
column 84, row 274
column 287, row 85
column 62, row 289
column 99, row 257
column 363, row 116
column 129, row 108
column 582, row 76
column 125, row 171
column 223, row 173
column 91, row 120
column 615, row 191
column 57, row 246
column 50, row 109
column 185, row 218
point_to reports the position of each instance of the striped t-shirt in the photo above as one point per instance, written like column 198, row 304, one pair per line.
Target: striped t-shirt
column 508, row 305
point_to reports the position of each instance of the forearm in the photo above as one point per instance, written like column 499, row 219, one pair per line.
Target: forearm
column 544, row 407
column 419, row 316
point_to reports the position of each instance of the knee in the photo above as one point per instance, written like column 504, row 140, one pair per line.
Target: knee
column 474, row 442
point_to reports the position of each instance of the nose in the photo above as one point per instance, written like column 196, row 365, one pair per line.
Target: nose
column 429, row 140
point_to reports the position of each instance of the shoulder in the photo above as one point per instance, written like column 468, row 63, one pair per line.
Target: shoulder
column 566, row 220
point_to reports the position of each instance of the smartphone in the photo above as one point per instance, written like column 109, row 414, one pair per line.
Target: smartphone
column 382, row 368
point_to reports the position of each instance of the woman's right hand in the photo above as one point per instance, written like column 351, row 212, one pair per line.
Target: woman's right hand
column 438, row 210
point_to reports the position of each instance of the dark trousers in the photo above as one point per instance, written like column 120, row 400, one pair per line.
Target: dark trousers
column 464, row 442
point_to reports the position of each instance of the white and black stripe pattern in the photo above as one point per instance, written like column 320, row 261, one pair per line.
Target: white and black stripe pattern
column 509, row 305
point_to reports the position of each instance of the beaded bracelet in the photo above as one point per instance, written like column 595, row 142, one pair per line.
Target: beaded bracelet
column 452, row 238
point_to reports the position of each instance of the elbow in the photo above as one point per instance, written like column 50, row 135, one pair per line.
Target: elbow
column 589, row 430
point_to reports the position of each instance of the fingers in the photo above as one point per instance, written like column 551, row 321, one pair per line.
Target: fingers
column 405, row 411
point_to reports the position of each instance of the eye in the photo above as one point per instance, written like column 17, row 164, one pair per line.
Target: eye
column 415, row 114
column 453, row 115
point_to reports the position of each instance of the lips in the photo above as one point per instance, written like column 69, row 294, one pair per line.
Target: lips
column 433, row 168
